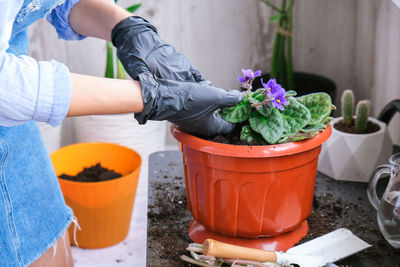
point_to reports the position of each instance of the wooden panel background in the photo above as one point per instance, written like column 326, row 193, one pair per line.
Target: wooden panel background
column 355, row 43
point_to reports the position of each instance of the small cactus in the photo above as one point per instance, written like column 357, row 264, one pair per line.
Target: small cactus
column 363, row 110
column 348, row 106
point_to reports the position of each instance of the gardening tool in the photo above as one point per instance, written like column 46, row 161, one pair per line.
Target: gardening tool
column 325, row 249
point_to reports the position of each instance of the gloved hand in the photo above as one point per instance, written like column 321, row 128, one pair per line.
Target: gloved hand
column 190, row 105
column 136, row 39
column 172, row 88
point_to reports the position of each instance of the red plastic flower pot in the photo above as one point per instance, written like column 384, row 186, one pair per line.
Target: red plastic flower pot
column 249, row 191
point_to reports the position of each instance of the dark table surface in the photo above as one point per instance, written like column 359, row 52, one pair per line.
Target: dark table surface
column 336, row 204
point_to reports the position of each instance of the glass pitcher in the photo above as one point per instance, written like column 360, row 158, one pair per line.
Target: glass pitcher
column 388, row 206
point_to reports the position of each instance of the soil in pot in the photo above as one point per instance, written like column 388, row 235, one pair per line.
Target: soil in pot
column 232, row 138
column 96, row 173
column 341, row 126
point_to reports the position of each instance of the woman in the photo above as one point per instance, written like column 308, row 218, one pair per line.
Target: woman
column 33, row 215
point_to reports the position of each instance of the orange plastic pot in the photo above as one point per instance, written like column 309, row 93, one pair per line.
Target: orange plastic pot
column 249, row 191
column 103, row 209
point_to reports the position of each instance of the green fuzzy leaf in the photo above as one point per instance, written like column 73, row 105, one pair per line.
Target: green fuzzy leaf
column 287, row 129
column 257, row 92
column 319, row 105
column 291, row 93
column 298, row 137
column 247, row 134
column 314, row 127
column 257, row 97
column 270, row 127
column 296, row 115
column 266, row 110
column 238, row 113
column 133, row 8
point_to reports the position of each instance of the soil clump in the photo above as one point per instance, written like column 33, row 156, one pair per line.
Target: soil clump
column 96, row 173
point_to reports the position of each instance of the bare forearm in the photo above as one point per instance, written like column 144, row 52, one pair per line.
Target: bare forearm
column 95, row 96
column 96, row 18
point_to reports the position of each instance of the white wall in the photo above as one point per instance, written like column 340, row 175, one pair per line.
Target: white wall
column 355, row 43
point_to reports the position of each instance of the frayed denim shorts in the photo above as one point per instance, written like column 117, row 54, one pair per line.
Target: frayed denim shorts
column 33, row 214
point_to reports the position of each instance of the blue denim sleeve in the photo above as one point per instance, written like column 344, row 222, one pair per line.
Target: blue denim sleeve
column 59, row 19
column 31, row 90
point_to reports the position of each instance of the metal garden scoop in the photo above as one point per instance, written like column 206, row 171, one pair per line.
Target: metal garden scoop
column 328, row 248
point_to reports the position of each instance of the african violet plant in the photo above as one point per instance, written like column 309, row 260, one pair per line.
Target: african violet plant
column 271, row 115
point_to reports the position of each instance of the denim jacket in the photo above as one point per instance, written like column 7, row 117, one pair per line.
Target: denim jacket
column 31, row 90
column 33, row 213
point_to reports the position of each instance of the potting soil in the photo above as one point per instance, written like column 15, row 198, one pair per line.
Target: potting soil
column 96, row 173
column 371, row 127
column 232, row 138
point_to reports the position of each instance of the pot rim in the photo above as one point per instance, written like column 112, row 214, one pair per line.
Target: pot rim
column 249, row 151
column 381, row 124
column 99, row 183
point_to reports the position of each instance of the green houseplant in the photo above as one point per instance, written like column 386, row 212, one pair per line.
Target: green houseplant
column 281, row 66
column 358, row 144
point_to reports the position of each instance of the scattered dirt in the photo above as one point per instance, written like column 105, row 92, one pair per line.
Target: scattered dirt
column 336, row 204
column 330, row 213
column 341, row 126
column 168, row 219
column 95, row 173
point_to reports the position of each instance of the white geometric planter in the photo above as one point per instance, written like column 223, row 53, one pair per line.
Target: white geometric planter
column 354, row 157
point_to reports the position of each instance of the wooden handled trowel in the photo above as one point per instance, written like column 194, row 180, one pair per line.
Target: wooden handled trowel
column 328, row 248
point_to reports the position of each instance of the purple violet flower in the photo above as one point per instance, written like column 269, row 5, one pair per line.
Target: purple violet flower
column 276, row 93
column 248, row 74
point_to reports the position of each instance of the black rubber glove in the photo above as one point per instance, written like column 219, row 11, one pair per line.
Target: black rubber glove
column 190, row 105
column 136, row 39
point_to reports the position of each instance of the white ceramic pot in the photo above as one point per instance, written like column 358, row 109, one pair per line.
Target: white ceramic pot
column 354, row 157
